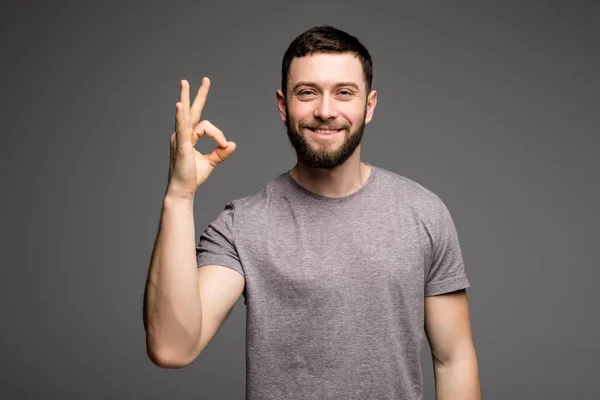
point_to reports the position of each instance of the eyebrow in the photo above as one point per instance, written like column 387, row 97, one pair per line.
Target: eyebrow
column 314, row 85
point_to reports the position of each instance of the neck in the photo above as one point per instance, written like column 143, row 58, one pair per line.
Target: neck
column 340, row 181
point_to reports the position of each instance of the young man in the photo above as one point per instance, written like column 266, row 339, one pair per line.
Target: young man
column 344, row 266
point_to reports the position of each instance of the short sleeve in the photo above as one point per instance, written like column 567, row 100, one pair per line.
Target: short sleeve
column 447, row 270
column 217, row 242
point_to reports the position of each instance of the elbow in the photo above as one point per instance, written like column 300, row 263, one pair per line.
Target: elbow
column 168, row 358
column 458, row 354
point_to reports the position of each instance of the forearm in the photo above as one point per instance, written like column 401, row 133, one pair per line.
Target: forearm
column 172, row 309
column 458, row 379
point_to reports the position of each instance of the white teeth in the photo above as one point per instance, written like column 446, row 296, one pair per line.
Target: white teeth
column 326, row 130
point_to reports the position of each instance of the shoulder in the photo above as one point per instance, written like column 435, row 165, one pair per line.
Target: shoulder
column 257, row 201
column 422, row 203
column 408, row 190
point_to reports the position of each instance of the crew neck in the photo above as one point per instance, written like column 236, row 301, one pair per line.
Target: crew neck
column 334, row 199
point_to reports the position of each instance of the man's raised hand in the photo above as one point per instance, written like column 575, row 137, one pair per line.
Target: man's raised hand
column 188, row 168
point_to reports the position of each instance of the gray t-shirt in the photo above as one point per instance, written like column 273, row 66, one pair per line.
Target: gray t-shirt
column 335, row 287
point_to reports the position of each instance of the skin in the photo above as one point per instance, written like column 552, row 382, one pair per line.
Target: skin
column 317, row 98
column 182, row 314
column 327, row 90
column 184, row 306
column 448, row 330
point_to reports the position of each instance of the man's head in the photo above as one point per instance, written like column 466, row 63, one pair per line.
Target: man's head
column 326, row 85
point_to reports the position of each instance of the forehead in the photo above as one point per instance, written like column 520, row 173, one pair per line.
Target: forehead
column 326, row 69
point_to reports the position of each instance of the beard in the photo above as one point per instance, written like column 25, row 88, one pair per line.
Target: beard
column 322, row 156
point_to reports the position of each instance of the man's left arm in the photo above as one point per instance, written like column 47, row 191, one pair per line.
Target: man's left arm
column 448, row 330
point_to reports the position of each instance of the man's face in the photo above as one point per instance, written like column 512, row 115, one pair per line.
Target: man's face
column 327, row 107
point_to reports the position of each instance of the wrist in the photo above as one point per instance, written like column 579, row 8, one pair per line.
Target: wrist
column 174, row 200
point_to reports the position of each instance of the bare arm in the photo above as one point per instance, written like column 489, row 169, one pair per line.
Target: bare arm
column 172, row 309
column 184, row 306
column 447, row 324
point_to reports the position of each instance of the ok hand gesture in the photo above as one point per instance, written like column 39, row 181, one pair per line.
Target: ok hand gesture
column 188, row 168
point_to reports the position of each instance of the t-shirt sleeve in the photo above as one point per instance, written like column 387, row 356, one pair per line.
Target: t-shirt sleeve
column 447, row 270
column 217, row 243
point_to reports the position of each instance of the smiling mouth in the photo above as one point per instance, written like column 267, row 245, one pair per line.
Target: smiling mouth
column 325, row 131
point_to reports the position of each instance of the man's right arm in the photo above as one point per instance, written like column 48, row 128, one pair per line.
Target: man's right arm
column 184, row 306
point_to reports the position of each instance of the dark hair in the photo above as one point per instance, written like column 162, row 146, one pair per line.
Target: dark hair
column 326, row 39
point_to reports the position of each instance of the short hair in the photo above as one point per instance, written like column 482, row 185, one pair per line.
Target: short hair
column 326, row 39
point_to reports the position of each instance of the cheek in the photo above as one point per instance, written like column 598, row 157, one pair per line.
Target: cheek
column 299, row 114
column 355, row 114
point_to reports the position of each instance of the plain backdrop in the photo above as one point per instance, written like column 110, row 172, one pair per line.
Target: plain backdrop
column 494, row 106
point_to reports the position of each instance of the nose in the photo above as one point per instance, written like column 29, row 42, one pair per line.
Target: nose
column 325, row 109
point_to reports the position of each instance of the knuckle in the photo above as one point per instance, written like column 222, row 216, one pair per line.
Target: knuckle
column 208, row 124
column 213, row 129
column 205, row 126
column 201, row 126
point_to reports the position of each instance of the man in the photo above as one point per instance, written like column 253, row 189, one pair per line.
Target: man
column 344, row 266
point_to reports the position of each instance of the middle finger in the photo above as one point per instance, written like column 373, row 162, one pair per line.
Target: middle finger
column 199, row 101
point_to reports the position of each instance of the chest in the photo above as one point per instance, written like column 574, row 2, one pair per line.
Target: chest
column 344, row 256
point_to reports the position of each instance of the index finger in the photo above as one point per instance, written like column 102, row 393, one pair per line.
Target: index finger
column 199, row 101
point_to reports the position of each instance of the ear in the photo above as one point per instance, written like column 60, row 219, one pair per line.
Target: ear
column 371, row 103
column 281, row 104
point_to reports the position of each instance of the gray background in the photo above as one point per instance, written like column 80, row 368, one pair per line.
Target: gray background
column 493, row 106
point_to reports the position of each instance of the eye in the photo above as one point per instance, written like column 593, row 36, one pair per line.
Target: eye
column 346, row 94
column 305, row 94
